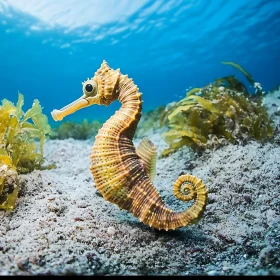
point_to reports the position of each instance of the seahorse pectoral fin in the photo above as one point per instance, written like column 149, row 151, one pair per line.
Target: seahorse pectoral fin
column 147, row 152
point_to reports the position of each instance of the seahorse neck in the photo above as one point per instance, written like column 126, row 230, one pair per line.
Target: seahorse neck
column 131, row 108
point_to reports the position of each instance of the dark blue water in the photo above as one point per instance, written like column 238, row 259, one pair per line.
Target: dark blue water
column 47, row 47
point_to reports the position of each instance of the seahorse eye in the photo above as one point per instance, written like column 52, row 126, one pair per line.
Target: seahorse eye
column 89, row 88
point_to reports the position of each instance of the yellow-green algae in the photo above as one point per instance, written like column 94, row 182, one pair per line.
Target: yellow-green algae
column 19, row 152
column 149, row 121
column 82, row 130
column 217, row 113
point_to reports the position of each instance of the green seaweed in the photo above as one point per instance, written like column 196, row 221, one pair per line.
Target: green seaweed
column 232, row 83
column 150, row 121
column 19, row 152
column 241, row 69
column 221, row 112
column 81, row 131
column 9, row 185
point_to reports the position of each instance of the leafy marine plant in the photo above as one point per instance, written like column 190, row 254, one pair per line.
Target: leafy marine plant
column 19, row 153
column 82, row 131
column 150, row 121
column 221, row 112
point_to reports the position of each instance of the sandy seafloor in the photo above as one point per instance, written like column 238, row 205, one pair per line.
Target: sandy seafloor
column 62, row 225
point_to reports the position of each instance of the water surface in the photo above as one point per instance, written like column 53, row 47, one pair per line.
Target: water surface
column 49, row 47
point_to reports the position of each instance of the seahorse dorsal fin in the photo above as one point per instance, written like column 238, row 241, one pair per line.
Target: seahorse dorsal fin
column 147, row 152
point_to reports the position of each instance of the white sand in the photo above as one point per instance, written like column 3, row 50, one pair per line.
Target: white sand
column 62, row 225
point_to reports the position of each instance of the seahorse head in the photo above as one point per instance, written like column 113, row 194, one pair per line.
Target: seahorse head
column 101, row 89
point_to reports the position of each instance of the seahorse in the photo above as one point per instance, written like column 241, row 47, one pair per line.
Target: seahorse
column 122, row 173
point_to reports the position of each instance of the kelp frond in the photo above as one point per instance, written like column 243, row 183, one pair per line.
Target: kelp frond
column 19, row 152
column 237, row 66
column 221, row 112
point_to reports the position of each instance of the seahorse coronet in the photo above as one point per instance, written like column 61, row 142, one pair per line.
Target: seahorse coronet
column 122, row 173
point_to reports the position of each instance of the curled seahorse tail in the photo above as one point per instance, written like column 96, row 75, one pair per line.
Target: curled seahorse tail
column 188, row 187
column 148, row 206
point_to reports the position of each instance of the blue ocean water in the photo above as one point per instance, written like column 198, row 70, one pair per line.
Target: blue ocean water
column 48, row 47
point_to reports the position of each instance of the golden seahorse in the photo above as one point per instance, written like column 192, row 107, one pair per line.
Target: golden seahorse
column 122, row 173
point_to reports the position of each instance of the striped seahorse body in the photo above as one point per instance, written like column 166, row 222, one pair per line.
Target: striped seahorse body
column 122, row 172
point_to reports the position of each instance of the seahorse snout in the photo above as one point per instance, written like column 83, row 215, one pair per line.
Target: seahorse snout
column 57, row 115
column 80, row 103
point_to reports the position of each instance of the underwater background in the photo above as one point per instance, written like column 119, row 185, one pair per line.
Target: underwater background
column 203, row 186
column 49, row 47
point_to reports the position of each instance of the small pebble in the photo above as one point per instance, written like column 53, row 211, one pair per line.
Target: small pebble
column 212, row 272
column 111, row 231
